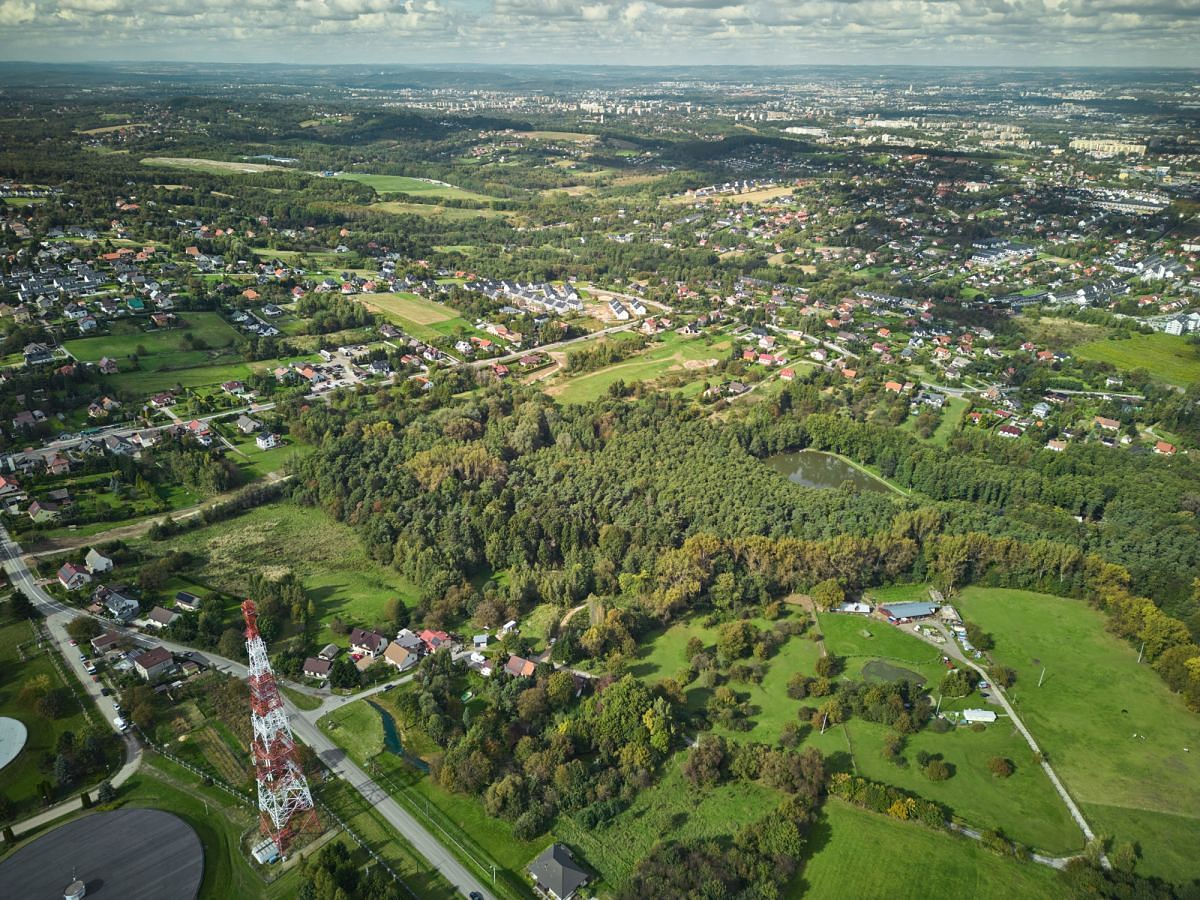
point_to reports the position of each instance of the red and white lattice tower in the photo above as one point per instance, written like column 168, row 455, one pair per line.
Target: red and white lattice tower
column 284, row 800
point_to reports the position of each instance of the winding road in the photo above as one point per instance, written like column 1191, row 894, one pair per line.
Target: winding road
column 303, row 722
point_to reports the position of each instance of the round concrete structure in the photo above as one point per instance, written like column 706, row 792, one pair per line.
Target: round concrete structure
column 13, row 736
column 128, row 854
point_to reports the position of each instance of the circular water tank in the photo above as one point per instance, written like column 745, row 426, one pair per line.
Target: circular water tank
column 75, row 891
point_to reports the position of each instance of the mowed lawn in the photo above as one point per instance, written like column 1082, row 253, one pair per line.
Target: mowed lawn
column 1126, row 747
column 855, row 853
column 1167, row 357
column 204, row 373
column 403, row 184
column 158, row 348
column 673, row 355
column 424, row 319
column 327, row 555
column 1025, row 806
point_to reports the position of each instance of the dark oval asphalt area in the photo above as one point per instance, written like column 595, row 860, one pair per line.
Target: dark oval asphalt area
column 127, row 854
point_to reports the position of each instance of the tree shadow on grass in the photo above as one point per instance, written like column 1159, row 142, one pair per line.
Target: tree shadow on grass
column 818, row 837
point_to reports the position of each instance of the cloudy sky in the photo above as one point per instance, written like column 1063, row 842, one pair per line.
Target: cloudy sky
column 927, row 32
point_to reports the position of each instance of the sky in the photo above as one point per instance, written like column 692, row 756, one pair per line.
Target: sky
column 1148, row 33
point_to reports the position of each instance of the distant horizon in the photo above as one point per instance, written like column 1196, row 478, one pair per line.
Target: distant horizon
column 460, row 64
column 660, row 33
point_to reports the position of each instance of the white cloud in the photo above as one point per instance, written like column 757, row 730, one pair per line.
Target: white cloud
column 14, row 12
column 610, row 31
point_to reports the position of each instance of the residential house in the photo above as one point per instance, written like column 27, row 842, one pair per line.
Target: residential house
column 368, row 643
column 409, row 640
column 97, row 562
column 42, row 511
column 73, row 577
column 316, row 667
column 152, row 663
column 1165, row 449
column 187, row 601
column 330, row 652
column 519, row 667
column 556, row 874
column 399, row 657
column 434, row 640
column 1107, row 424
column 118, row 601
column 105, row 642
column 247, row 425
column 267, row 441
column 160, row 617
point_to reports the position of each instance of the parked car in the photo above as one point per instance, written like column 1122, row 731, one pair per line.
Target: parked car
column 121, row 724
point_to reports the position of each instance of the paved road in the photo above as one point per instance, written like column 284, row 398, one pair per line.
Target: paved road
column 58, row 614
column 951, row 648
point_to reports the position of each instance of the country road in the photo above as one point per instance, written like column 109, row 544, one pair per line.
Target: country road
column 58, row 615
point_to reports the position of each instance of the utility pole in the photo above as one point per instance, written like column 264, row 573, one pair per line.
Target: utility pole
column 1140, row 649
column 1042, row 676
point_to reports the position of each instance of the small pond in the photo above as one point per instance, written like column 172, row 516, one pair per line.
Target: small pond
column 815, row 469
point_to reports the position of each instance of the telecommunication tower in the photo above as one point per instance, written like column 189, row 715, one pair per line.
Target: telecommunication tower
column 284, row 801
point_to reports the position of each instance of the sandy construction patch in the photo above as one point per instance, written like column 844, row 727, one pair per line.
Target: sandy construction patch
column 693, row 364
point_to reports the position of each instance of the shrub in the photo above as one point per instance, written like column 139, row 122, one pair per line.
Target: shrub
column 1000, row 767
column 937, row 770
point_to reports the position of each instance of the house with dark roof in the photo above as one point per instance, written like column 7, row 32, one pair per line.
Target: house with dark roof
column 556, row 874
column 315, row 667
column 160, row 617
column 368, row 643
column 153, row 662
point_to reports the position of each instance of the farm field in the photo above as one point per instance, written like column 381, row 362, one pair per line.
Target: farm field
column 424, row 319
column 403, row 184
column 327, row 556
column 907, row 862
column 1167, row 357
column 1115, row 733
column 128, row 337
column 673, row 355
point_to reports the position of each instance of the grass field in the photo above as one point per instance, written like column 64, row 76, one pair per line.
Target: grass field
column 212, row 166
column 673, row 809
column 576, row 136
column 160, row 348
column 20, row 778
column 1166, row 357
column 855, row 853
column 372, row 829
column 424, row 319
column 402, row 184
column 327, row 555
column 209, row 372
column 1115, row 734
column 400, row 208
column 673, row 355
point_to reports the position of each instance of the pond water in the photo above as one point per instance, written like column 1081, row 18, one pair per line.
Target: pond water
column 815, row 469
